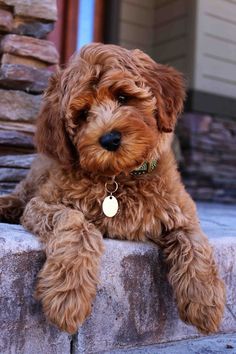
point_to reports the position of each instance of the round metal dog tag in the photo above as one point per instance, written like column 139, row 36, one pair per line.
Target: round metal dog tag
column 110, row 206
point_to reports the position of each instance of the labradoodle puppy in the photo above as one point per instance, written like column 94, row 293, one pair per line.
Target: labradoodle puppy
column 106, row 168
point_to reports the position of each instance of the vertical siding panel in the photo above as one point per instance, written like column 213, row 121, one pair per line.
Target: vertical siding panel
column 216, row 48
column 136, row 24
column 171, row 33
column 196, row 36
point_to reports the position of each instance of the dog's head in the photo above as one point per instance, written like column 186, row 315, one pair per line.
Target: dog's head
column 110, row 110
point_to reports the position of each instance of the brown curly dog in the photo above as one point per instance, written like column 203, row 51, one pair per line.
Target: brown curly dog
column 105, row 132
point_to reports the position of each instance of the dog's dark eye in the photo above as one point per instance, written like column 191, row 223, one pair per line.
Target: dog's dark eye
column 81, row 115
column 122, row 98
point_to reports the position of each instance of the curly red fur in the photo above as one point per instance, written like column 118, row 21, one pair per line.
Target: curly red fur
column 63, row 193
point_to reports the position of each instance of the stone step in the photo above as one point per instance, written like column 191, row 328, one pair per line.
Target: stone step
column 134, row 307
column 222, row 344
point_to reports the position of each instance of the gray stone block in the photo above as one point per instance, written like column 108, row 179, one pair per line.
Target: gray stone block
column 134, row 306
column 23, row 328
column 23, row 77
column 210, row 345
column 32, row 28
column 31, row 47
column 19, row 106
column 45, row 9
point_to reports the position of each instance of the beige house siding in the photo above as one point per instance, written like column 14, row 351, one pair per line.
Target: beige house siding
column 198, row 37
column 215, row 67
column 157, row 27
column 136, row 24
column 170, row 33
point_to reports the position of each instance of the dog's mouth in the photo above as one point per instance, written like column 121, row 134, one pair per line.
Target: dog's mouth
column 111, row 163
column 125, row 158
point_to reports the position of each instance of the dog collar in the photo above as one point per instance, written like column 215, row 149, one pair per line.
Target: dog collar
column 146, row 167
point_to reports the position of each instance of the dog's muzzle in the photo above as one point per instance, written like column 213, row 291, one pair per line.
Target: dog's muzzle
column 111, row 141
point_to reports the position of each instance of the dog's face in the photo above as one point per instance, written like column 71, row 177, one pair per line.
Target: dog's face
column 110, row 110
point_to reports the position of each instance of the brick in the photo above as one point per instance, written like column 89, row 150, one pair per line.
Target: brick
column 12, row 174
column 6, row 20
column 25, row 127
column 17, row 161
column 22, row 77
column 208, row 148
column 30, row 47
column 33, row 28
column 16, row 140
column 45, row 9
column 7, row 187
column 15, row 59
column 19, row 106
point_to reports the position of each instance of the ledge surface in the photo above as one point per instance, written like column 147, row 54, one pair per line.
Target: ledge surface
column 134, row 306
column 222, row 344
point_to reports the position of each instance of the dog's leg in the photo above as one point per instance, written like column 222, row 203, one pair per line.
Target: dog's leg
column 11, row 208
column 67, row 282
column 199, row 292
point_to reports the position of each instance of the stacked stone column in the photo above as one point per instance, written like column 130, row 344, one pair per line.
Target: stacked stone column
column 26, row 62
column 208, row 148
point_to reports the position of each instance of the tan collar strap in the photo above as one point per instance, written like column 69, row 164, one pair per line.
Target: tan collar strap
column 146, row 167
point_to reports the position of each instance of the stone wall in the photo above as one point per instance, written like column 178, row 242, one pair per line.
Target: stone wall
column 26, row 62
column 208, row 146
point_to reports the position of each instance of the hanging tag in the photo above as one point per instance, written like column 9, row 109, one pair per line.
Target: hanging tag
column 110, row 204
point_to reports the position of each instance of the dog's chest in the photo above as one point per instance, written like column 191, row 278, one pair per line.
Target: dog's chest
column 135, row 219
column 140, row 215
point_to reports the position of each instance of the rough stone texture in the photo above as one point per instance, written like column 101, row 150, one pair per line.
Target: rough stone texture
column 208, row 147
column 12, row 174
column 23, row 328
column 13, row 169
column 6, row 20
column 6, row 187
column 15, row 59
column 16, row 141
column 18, row 106
column 134, row 305
column 30, row 27
column 22, row 77
column 16, row 144
column 30, row 47
column 26, row 62
column 18, row 126
column 22, row 161
column 46, row 9
column 218, row 220
column 211, row 345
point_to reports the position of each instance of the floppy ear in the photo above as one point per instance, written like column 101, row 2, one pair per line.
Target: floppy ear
column 168, row 86
column 51, row 136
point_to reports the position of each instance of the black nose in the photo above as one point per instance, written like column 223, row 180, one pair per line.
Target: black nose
column 111, row 141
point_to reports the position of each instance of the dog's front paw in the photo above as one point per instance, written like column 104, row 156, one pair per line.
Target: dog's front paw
column 204, row 308
column 65, row 301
